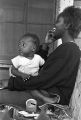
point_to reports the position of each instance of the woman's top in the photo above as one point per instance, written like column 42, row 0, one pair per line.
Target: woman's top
column 59, row 72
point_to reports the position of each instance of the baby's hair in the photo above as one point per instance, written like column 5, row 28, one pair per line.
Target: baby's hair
column 35, row 39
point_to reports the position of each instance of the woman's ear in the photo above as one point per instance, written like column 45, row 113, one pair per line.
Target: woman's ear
column 67, row 26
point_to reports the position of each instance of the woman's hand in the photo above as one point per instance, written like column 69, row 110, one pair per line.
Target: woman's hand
column 48, row 38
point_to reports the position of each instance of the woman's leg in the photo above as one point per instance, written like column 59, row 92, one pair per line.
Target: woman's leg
column 16, row 83
column 17, row 98
column 45, row 97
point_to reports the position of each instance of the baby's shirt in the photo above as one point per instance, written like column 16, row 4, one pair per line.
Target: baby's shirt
column 28, row 66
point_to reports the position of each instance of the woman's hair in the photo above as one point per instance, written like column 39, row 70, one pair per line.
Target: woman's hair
column 72, row 18
column 34, row 38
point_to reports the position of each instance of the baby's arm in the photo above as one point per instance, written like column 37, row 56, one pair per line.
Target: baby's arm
column 42, row 61
column 15, row 72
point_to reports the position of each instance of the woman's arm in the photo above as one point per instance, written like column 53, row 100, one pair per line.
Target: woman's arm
column 44, row 48
column 43, row 51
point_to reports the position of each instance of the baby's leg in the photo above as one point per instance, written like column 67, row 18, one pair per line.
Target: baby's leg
column 3, row 84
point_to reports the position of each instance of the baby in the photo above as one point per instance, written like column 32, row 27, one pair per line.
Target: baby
column 27, row 62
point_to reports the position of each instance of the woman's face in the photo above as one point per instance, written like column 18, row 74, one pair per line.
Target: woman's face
column 60, row 28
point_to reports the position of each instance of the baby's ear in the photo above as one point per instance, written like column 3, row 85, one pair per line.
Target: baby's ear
column 34, row 48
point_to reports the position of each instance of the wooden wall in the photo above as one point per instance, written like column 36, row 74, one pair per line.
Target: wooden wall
column 18, row 17
column 11, row 26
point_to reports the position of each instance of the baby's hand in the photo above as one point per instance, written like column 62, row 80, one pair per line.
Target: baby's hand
column 25, row 77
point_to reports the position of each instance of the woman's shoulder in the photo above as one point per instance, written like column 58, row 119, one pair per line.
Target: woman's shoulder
column 67, row 49
column 69, row 46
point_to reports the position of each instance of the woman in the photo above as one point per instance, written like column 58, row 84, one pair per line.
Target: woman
column 60, row 69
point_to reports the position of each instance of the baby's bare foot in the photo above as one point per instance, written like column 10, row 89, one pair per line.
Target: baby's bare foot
column 50, row 100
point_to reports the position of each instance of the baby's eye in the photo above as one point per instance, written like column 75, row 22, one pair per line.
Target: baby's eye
column 23, row 44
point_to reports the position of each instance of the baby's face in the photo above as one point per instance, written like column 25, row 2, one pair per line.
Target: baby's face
column 26, row 45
